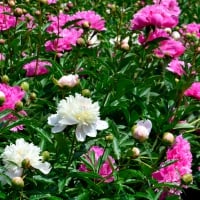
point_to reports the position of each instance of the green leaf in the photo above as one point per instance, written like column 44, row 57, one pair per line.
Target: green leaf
column 116, row 148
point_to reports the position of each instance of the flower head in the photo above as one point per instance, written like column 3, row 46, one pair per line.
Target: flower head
column 106, row 168
column 81, row 111
column 69, row 80
column 193, row 91
column 14, row 155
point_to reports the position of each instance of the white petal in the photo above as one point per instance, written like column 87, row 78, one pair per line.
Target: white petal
column 43, row 167
column 53, row 119
column 146, row 123
column 68, row 121
column 58, row 128
column 90, row 130
column 80, row 135
column 101, row 125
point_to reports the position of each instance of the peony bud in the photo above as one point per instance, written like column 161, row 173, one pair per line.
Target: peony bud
column 45, row 155
column 136, row 152
column 86, row 24
column 5, row 79
column 109, row 137
column 2, row 98
column 18, row 182
column 11, row 3
column 69, row 81
column 33, row 96
column 26, row 163
column 86, row 93
column 176, row 35
column 168, row 138
column 25, row 86
column 125, row 46
column 2, row 41
column 19, row 106
column 80, row 41
column 187, row 178
column 18, row 12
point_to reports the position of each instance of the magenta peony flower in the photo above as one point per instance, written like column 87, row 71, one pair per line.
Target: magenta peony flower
column 153, row 15
column 192, row 28
column 51, row 1
column 12, row 95
column 7, row 21
column 176, row 67
column 106, row 169
column 181, row 155
column 171, row 5
column 170, row 48
column 95, row 21
column 36, row 67
column 193, row 91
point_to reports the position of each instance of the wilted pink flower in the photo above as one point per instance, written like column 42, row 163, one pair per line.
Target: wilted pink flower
column 171, row 5
column 95, row 21
column 69, row 80
column 181, row 157
column 153, row 15
column 107, row 166
column 193, row 91
column 192, row 28
column 36, row 68
column 176, row 67
column 7, row 20
column 12, row 95
column 170, row 48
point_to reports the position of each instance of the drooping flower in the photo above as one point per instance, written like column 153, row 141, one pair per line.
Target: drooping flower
column 181, row 157
column 106, row 168
column 36, row 67
column 142, row 130
column 81, row 111
column 193, row 91
column 153, row 15
column 14, row 156
column 69, row 80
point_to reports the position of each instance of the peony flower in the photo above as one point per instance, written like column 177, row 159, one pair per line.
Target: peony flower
column 142, row 130
column 15, row 155
column 51, row 2
column 153, row 15
column 192, row 28
column 69, row 80
column 176, row 67
column 181, row 155
column 77, row 110
column 36, row 67
column 170, row 48
column 106, row 168
column 193, row 91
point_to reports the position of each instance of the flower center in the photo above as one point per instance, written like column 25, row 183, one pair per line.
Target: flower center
column 85, row 117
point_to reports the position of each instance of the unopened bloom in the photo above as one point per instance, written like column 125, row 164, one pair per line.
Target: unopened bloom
column 81, row 111
column 106, row 168
column 69, row 80
column 193, row 91
column 36, row 67
column 142, row 130
column 14, row 155
column 181, row 155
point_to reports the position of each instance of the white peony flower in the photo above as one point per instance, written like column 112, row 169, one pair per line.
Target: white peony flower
column 69, row 80
column 14, row 155
column 81, row 111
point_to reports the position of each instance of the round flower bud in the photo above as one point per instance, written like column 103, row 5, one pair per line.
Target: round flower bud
column 2, row 98
column 37, row 12
column 26, row 163
column 135, row 152
column 18, row 12
column 86, row 93
column 18, row 182
column 80, row 41
column 70, row 4
column 176, row 35
column 5, row 79
column 168, row 138
column 43, row 1
column 2, row 41
column 45, row 155
column 125, row 46
column 109, row 137
column 11, row 3
column 33, row 96
column 187, row 178
column 168, row 30
column 86, row 24
column 25, row 86
column 140, row 133
column 68, row 81
column 19, row 106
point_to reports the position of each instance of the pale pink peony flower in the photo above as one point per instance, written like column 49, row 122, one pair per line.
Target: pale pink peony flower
column 12, row 95
column 181, row 155
column 153, row 15
column 171, row 5
column 95, row 21
column 36, row 68
column 170, row 48
column 176, row 67
column 7, row 20
column 69, row 80
column 107, row 166
column 193, row 91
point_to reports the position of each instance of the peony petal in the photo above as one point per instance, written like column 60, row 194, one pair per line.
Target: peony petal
column 68, row 121
column 58, row 128
column 45, row 167
column 53, row 119
column 101, row 125
column 80, row 134
column 90, row 130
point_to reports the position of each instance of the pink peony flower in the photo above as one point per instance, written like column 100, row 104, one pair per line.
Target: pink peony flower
column 170, row 48
column 36, row 67
column 95, row 21
column 29, row 19
column 153, row 15
column 106, row 169
column 181, row 155
column 12, row 95
column 193, row 91
column 51, row 1
column 2, row 57
column 69, row 80
column 176, row 67
column 192, row 28
column 7, row 21
column 171, row 5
